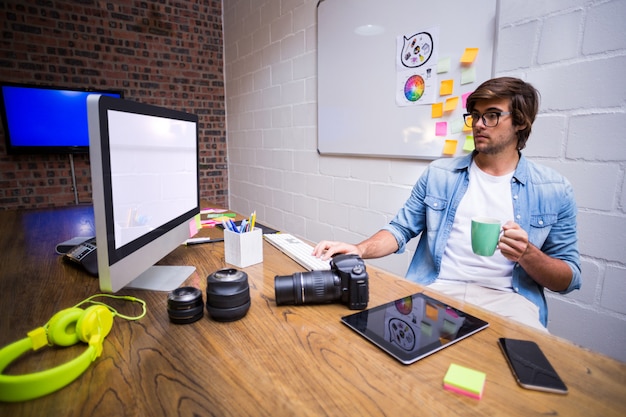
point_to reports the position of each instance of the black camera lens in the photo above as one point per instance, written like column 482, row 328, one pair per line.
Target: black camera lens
column 346, row 282
column 315, row 287
column 228, row 294
column 185, row 305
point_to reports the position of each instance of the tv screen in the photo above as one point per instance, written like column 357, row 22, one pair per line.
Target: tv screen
column 45, row 119
column 144, row 171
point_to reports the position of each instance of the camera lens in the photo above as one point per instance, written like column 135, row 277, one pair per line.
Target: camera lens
column 185, row 305
column 313, row 287
column 228, row 294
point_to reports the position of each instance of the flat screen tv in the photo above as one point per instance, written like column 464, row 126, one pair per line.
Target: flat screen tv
column 144, row 171
column 46, row 119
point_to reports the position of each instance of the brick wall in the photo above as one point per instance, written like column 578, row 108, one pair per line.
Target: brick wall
column 163, row 52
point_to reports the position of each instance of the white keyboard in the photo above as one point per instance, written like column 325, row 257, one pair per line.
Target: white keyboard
column 297, row 250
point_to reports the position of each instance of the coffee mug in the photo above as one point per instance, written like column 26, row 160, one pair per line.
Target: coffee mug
column 485, row 235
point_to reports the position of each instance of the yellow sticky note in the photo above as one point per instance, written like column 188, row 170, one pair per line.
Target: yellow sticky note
column 449, row 148
column 436, row 110
column 469, row 56
column 443, row 65
column 450, row 104
column 465, row 381
column 446, row 87
column 466, row 128
column 469, row 144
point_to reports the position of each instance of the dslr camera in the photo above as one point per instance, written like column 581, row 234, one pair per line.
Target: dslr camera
column 346, row 282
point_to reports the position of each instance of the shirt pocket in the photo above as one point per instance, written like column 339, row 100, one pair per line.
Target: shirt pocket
column 540, row 227
column 436, row 209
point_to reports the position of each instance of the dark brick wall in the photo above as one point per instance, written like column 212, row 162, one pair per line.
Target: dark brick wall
column 163, row 52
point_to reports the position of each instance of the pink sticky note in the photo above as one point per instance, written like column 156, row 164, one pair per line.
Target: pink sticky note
column 464, row 99
column 441, row 128
column 193, row 226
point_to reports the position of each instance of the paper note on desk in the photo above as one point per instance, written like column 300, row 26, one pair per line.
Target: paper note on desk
column 465, row 381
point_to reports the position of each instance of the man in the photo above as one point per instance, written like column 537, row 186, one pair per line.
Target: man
column 538, row 247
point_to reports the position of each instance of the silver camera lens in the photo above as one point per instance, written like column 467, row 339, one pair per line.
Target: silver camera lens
column 185, row 305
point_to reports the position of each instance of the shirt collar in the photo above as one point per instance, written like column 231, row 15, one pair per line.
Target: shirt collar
column 520, row 174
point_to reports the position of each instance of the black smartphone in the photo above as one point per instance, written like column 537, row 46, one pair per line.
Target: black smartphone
column 530, row 366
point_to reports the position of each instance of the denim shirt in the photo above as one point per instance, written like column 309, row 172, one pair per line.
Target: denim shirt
column 543, row 205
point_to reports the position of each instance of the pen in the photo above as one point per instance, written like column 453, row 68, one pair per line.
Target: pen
column 233, row 226
column 200, row 240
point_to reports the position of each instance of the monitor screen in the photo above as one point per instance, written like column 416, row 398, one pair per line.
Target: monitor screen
column 43, row 119
column 144, row 168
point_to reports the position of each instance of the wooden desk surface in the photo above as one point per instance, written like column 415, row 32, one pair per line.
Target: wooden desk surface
column 288, row 360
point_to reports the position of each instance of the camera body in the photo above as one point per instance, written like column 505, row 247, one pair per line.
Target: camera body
column 346, row 282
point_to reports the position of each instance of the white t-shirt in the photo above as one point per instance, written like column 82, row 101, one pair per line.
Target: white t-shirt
column 486, row 196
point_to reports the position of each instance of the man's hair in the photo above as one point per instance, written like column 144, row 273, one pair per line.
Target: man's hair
column 524, row 102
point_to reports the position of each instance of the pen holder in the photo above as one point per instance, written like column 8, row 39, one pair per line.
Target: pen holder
column 243, row 249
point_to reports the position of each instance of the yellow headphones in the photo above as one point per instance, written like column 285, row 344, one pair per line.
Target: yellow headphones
column 65, row 328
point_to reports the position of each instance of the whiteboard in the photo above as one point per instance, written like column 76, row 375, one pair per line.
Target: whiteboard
column 362, row 76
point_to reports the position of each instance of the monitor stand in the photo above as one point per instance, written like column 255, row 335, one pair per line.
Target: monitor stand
column 162, row 278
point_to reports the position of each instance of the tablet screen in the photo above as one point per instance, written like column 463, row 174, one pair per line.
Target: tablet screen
column 413, row 327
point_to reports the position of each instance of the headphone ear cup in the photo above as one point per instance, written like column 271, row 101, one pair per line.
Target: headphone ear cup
column 95, row 320
column 62, row 327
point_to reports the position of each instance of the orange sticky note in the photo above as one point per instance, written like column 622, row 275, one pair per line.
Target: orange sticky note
column 450, row 104
column 449, row 148
column 469, row 56
column 436, row 110
column 466, row 128
column 446, row 87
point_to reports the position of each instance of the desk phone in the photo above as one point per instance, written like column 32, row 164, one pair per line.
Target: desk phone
column 84, row 254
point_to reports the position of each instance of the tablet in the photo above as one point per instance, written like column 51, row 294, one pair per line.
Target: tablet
column 414, row 327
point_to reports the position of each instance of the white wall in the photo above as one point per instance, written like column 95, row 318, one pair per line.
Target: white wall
column 573, row 51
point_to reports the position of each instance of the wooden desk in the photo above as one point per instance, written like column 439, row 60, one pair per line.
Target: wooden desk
column 276, row 361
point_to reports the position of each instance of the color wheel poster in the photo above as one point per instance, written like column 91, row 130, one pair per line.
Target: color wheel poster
column 416, row 72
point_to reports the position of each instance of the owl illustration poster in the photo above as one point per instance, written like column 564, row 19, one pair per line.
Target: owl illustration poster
column 416, row 72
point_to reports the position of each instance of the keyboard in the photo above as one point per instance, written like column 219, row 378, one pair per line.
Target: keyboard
column 297, row 250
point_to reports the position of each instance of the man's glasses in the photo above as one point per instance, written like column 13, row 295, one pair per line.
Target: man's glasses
column 490, row 118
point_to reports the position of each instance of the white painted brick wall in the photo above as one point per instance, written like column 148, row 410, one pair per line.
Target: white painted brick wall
column 573, row 51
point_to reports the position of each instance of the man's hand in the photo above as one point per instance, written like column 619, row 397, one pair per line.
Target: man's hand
column 326, row 249
column 513, row 242
column 549, row 272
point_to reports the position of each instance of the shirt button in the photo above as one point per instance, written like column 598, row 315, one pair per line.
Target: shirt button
column 436, row 204
column 540, row 221
column 518, row 217
column 514, row 197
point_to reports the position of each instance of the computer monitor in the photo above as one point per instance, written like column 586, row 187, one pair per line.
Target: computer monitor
column 144, row 168
column 46, row 119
